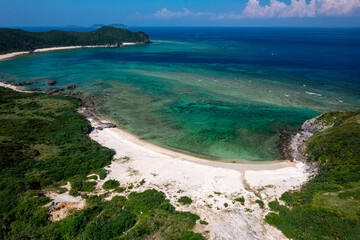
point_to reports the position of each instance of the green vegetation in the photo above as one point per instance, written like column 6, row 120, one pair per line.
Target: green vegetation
column 328, row 206
column 111, row 184
column 142, row 215
column 261, row 203
column 226, row 204
column 203, row 222
column 240, row 200
column 185, row 200
column 28, row 121
column 13, row 40
column 93, row 177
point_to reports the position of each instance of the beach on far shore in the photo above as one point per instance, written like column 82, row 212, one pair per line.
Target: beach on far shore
column 14, row 54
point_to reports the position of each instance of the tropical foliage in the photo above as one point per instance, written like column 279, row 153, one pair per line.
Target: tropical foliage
column 328, row 206
column 44, row 143
column 13, row 40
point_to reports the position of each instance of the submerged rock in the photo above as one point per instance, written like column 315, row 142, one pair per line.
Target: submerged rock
column 71, row 86
column 51, row 82
column 22, row 83
column 34, row 89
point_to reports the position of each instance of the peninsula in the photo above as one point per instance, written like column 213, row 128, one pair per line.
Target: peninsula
column 15, row 40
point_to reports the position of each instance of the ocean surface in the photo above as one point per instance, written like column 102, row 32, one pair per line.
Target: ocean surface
column 223, row 93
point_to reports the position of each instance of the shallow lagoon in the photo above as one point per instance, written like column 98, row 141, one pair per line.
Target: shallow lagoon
column 223, row 93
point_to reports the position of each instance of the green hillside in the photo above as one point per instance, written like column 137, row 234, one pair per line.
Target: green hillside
column 14, row 40
column 44, row 143
column 328, row 206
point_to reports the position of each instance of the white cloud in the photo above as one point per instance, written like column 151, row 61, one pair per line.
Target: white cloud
column 164, row 13
column 297, row 8
column 337, row 7
column 277, row 9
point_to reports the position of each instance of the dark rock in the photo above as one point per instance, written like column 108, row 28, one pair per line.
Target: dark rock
column 51, row 82
column 52, row 91
column 71, row 86
column 103, row 125
column 88, row 102
column 23, row 83
column 34, row 89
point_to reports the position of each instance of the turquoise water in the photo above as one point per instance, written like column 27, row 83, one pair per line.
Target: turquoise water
column 225, row 95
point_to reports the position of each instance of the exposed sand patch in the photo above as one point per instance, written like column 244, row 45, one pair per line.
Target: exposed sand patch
column 62, row 205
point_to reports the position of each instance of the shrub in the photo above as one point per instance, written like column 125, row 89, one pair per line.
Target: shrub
column 203, row 222
column 185, row 200
column 111, row 184
column 261, row 203
column 241, row 200
column 93, row 177
column 119, row 189
column 191, row 236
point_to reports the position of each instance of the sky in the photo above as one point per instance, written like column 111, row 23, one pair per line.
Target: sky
column 259, row 13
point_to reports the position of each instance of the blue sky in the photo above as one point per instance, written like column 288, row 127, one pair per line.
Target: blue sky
column 285, row 13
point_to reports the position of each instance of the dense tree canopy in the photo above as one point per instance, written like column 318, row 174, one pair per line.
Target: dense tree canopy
column 13, row 40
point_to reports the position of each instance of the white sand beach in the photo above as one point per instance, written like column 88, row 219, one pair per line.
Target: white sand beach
column 212, row 185
column 14, row 54
column 2, row 84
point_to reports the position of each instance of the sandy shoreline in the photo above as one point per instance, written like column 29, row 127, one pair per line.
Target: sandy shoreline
column 14, row 54
column 213, row 186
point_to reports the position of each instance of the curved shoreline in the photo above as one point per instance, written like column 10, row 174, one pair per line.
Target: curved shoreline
column 240, row 165
column 98, row 121
column 14, row 54
column 213, row 186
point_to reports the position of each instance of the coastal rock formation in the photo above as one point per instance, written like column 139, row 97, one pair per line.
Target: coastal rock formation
column 53, row 91
column 96, row 121
column 34, row 89
column 20, row 84
column 71, row 86
column 51, row 82
column 295, row 146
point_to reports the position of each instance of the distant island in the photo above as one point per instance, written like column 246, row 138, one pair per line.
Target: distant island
column 13, row 40
column 118, row 25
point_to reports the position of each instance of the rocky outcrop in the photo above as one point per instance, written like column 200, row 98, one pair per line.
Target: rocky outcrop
column 34, row 89
column 294, row 147
column 20, row 84
column 71, row 86
column 51, row 82
column 53, row 91
column 62, row 205
column 96, row 121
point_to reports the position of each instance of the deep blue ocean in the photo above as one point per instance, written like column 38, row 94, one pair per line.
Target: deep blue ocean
column 219, row 92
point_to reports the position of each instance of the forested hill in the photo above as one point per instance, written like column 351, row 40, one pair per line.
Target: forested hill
column 14, row 40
